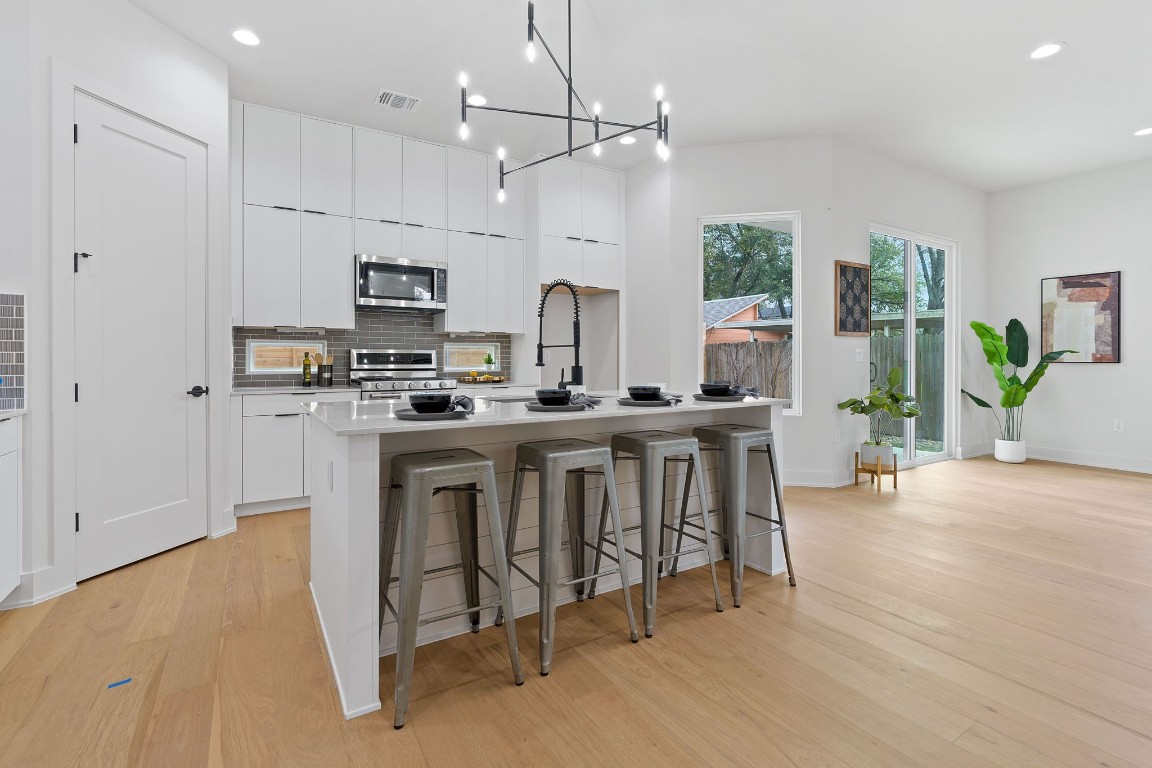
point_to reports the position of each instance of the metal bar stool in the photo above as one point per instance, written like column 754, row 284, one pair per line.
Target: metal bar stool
column 735, row 442
column 416, row 478
column 654, row 449
column 555, row 461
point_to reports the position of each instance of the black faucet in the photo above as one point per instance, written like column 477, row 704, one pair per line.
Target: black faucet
column 577, row 369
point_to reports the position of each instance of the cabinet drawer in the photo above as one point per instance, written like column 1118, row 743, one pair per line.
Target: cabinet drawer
column 273, row 405
column 8, row 436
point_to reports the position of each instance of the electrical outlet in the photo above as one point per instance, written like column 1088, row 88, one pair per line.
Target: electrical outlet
column 859, row 355
column 1118, row 425
column 836, row 435
column 547, row 355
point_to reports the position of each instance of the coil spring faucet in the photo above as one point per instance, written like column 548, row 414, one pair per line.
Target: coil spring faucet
column 577, row 369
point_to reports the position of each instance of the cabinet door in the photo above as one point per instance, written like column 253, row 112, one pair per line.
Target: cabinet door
column 271, row 266
column 602, row 266
column 600, row 204
column 327, row 272
column 468, row 272
column 9, row 523
column 506, row 218
column 467, row 191
column 561, row 258
column 273, row 457
column 378, row 170
column 325, row 167
column 506, row 299
column 560, row 199
column 425, row 179
column 424, row 244
column 377, row 238
column 271, row 157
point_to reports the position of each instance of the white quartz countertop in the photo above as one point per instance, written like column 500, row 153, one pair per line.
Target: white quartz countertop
column 378, row 417
column 289, row 390
column 11, row 414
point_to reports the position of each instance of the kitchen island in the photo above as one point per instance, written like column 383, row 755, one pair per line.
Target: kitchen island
column 352, row 445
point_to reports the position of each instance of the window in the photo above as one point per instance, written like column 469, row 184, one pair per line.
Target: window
column 750, row 268
column 471, row 357
column 282, row 357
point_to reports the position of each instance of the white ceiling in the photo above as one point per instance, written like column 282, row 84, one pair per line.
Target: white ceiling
column 941, row 84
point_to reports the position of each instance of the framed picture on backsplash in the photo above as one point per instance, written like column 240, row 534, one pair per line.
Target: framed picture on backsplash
column 1081, row 312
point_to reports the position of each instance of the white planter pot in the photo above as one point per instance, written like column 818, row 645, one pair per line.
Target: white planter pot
column 1011, row 451
column 870, row 453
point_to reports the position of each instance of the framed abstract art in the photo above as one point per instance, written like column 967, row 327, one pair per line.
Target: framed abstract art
column 853, row 299
column 1081, row 312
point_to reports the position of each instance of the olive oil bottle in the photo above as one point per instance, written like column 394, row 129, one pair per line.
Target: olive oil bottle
column 307, row 370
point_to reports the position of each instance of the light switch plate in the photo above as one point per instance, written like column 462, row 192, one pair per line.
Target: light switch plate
column 859, row 355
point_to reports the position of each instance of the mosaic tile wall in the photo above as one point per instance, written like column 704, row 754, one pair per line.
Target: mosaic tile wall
column 11, row 351
column 383, row 330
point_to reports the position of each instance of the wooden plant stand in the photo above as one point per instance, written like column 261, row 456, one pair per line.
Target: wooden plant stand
column 875, row 472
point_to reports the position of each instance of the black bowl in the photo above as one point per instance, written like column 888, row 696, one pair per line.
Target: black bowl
column 430, row 402
column 644, row 392
column 716, row 388
column 554, row 396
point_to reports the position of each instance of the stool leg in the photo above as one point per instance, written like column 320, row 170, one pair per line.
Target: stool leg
column 706, row 521
column 774, row 472
column 500, row 558
column 735, row 473
column 388, row 543
column 617, row 530
column 513, row 521
column 551, row 509
column 600, row 537
column 684, row 513
column 574, row 506
column 466, row 510
column 651, row 475
column 413, row 543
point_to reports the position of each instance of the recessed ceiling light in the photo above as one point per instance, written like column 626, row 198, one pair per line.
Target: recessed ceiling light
column 1048, row 49
column 477, row 100
column 627, row 139
column 245, row 37
column 1144, row 132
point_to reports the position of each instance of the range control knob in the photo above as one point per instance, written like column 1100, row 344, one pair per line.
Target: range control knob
column 443, row 385
column 427, row 385
column 379, row 385
column 413, row 385
column 397, row 385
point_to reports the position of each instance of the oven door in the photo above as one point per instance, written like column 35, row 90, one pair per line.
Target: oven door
column 389, row 283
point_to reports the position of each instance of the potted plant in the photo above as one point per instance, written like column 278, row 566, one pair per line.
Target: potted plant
column 488, row 361
column 1002, row 351
column 884, row 403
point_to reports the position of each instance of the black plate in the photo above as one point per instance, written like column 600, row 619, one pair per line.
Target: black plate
column 720, row 398
column 407, row 414
column 538, row 408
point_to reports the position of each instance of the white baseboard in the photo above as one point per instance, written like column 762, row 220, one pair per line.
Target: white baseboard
column 275, row 505
column 348, row 713
column 810, row 479
column 1088, row 459
column 972, row 451
column 24, row 603
column 225, row 532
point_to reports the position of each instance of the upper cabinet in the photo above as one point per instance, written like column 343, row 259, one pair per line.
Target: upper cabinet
column 560, row 199
column 379, row 174
column 425, row 184
column 271, row 158
column 600, row 204
column 467, row 191
column 325, row 167
column 505, row 219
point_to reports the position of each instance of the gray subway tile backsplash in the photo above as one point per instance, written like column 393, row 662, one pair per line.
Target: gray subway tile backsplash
column 11, row 351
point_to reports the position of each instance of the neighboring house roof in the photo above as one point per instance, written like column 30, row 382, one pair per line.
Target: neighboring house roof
column 719, row 310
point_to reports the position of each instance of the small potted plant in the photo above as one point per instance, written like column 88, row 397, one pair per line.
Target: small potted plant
column 884, row 403
column 488, row 361
column 1001, row 351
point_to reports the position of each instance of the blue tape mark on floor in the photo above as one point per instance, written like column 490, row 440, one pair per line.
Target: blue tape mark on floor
column 125, row 681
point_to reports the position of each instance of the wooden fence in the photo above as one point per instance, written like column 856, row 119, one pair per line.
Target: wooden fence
column 763, row 364
column 887, row 351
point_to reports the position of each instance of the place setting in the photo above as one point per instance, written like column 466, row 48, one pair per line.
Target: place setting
column 725, row 392
column 562, row 401
column 649, row 396
column 436, row 406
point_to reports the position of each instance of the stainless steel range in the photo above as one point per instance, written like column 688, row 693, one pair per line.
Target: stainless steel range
column 386, row 374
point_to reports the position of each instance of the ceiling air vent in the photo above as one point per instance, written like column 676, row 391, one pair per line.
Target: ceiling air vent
column 398, row 100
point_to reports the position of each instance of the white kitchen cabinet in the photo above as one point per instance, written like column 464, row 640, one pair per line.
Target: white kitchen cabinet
column 379, row 173
column 327, row 282
column 271, row 266
column 378, row 238
column 274, row 457
column 506, row 298
column 560, row 199
column 506, row 218
column 601, row 265
column 424, row 244
column 424, row 181
column 325, row 167
column 271, row 157
column 600, row 204
column 468, row 301
column 9, row 507
column 561, row 258
column 467, row 191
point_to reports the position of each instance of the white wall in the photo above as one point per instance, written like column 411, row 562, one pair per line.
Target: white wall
column 839, row 190
column 1093, row 222
column 113, row 43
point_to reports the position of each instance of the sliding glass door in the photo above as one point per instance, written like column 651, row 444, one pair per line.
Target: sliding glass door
column 909, row 331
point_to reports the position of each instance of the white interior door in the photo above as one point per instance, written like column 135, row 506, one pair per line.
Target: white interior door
column 141, row 439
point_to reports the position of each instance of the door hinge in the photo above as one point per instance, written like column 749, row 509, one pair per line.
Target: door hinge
column 75, row 133
column 77, row 392
column 77, row 522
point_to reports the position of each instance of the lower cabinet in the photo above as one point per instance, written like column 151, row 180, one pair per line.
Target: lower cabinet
column 9, row 508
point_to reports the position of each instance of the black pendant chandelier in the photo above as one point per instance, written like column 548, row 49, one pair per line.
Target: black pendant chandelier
column 659, row 125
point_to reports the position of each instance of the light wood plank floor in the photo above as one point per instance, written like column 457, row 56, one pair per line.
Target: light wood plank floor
column 983, row 615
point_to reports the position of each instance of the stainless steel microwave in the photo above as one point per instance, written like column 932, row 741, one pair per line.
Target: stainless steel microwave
column 386, row 282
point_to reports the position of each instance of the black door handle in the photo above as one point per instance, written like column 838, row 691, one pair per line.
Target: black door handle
column 198, row 390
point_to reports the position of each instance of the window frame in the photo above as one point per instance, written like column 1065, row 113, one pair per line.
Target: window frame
column 797, row 303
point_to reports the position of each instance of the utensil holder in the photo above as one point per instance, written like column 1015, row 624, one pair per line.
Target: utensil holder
column 324, row 376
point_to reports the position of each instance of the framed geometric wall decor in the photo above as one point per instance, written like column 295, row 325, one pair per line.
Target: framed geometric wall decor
column 853, row 299
column 1081, row 312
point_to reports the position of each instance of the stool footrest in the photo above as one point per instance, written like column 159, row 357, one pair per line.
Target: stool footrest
column 461, row 612
column 773, row 529
column 600, row 575
column 525, row 574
